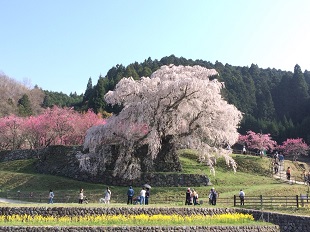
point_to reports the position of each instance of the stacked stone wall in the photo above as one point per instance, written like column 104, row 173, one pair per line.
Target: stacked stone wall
column 62, row 161
column 287, row 223
column 18, row 155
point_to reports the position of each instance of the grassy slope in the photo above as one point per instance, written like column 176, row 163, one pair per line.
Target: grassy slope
column 253, row 176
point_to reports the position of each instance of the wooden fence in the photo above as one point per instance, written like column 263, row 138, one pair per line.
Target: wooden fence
column 271, row 201
column 249, row 202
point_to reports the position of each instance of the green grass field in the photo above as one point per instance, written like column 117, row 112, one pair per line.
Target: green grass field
column 253, row 176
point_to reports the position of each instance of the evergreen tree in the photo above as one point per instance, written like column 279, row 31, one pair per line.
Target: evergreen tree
column 131, row 72
column 307, row 79
column 264, row 102
column 97, row 102
column 24, row 106
column 281, row 97
column 299, row 93
column 146, row 72
column 250, row 92
column 88, row 91
column 300, row 84
column 46, row 102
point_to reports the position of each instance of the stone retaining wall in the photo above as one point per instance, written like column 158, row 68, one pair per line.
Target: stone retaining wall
column 63, row 161
column 82, row 211
column 286, row 223
column 18, row 155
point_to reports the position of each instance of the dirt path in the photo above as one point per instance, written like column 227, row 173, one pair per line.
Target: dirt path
column 5, row 200
column 281, row 175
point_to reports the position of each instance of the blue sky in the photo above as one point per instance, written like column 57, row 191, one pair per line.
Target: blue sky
column 59, row 44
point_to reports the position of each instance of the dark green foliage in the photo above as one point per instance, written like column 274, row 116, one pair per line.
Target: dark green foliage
column 273, row 101
column 131, row 72
column 88, row 95
column 307, row 78
column 46, row 101
column 299, row 93
column 88, row 91
column 61, row 99
column 24, row 106
column 96, row 102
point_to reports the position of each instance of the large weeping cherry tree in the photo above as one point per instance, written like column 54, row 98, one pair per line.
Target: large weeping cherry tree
column 176, row 104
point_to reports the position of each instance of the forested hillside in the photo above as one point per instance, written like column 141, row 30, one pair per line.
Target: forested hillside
column 273, row 101
column 16, row 98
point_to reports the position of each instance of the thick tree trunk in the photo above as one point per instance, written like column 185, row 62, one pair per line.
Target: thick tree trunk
column 167, row 159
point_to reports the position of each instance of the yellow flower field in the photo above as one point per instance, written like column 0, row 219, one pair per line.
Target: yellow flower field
column 142, row 219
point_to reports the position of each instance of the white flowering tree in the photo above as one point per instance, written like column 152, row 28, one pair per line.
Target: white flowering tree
column 176, row 104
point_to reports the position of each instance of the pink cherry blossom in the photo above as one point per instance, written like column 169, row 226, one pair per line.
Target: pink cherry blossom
column 294, row 147
column 257, row 141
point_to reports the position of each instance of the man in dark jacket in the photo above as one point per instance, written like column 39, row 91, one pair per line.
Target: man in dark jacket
column 130, row 194
column 214, row 196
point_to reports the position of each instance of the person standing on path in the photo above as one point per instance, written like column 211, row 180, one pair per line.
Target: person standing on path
column 304, row 176
column 147, row 196
column 142, row 196
column 308, row 178
column 243, row 150
column 213, row 196
column 276, row 167
column 51, row 196
column 188, row 197
column 195, row 197
column 107, row 196
column 288, row 173
column 241, row 195
column 130, row 194
column 81, row 196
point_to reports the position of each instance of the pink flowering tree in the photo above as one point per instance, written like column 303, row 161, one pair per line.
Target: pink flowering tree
column 55, row 126
column 176, row 107
column 257, row 141
column 64, row 126
column 294, row 147
column 82, row 122
column 12, row 134
column 34, row 131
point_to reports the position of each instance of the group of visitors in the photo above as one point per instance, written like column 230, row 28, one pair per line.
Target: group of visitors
column 105, row 199
column 277, row 162
column 142, row 198
column 81, row 197
column 191, row 197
